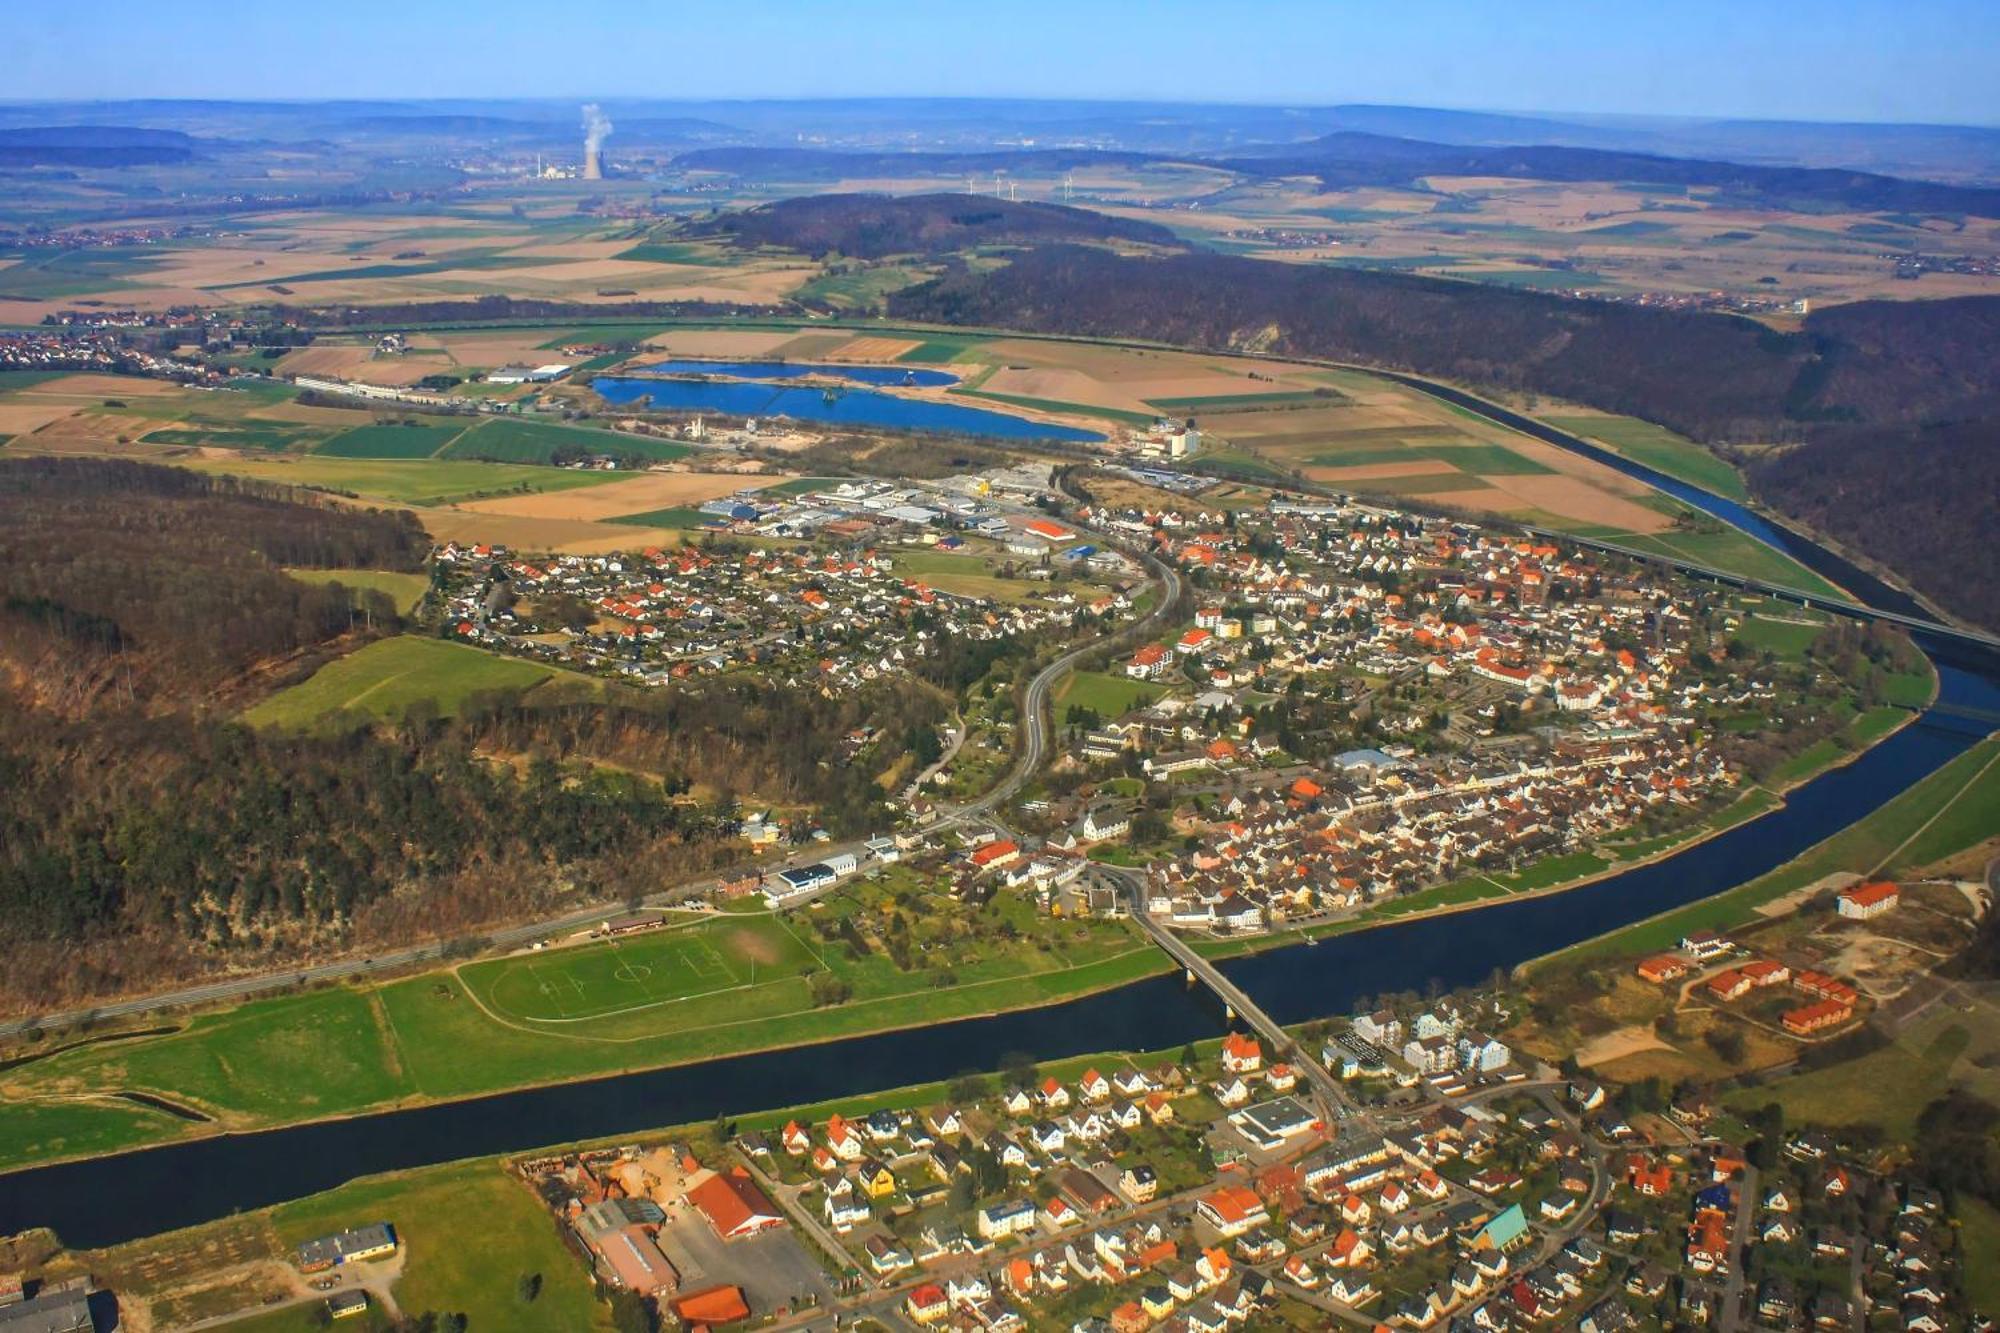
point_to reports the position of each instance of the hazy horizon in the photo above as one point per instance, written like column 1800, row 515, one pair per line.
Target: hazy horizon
column 1866, row 61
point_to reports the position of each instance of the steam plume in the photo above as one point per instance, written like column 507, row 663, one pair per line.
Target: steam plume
column 596, row 125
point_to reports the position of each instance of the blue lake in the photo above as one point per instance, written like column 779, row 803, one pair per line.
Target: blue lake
column 841, row 407
column 791, row 370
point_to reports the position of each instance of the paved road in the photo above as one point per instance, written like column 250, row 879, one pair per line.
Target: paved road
column 1035, row 737
column 1734, row 1313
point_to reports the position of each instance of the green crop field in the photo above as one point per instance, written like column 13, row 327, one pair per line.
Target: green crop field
column 1107, row 695
column 1480, row 460
column 1739, row 553
column 659, row 252
column 800, row 485
column 678, row 517
column 1050, row 405
column 1657, row 447
column 383, row 679
column 406, row 590
column 642, row 971
column 1222, row 402
column 389, row 441
column 513, row 440
column 419, row 482
column 274, row 438
column 52, row 274
column 937, row 349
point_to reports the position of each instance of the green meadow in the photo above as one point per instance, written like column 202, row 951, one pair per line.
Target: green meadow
column 1659, row 448
column 385, row 678
column 425, row 481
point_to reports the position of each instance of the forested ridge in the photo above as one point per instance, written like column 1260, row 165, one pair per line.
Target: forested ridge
column 146, row 836
column 161, row 583
column 1352, row 159
column 1888, row 410
column 870, row 226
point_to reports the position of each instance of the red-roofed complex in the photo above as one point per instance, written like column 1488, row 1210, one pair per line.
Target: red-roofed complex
column 734, row 1205
column 1868, row 900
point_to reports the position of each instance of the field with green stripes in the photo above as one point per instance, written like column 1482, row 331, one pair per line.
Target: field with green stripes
column 641, row 971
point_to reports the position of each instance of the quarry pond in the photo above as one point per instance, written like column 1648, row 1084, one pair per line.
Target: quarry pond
column 747, row 389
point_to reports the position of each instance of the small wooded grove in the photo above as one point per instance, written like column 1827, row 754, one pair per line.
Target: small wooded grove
column 144, row 833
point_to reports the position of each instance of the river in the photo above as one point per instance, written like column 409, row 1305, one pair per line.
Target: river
column 109, row 1200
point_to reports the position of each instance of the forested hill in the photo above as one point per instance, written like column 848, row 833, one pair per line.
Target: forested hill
column 827, row 164
column 869, row 226
column 1346, row 160
column 1352, row 159
column 146, row 837
column 150, row 580
column 1874, row 396
column 93, row 146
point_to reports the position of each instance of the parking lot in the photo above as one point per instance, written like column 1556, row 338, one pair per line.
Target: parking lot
column 772, row 1268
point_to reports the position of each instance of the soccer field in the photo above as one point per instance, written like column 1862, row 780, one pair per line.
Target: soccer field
column 640, row 971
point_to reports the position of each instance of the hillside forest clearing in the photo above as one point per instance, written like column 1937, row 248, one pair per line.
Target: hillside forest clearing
column 387, row 678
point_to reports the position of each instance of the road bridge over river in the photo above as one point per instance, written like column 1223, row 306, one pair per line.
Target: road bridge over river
column 1333, row 1103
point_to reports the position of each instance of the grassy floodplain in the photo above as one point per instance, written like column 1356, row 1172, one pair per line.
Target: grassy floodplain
column 1939, row 815
column 1658, row 448
column 709, row 986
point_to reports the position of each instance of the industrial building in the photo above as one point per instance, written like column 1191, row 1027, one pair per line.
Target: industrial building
column 59, row 1307
column 377, row 1240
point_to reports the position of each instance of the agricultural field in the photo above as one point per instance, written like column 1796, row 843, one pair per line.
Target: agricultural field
column 614, row 495
column 1610, row 236
column 361, row 259
column 387, row 678
column 420, row 482
column 518, row 440
column 390, row 441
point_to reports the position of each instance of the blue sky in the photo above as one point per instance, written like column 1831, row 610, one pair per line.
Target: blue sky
column 1826, row 60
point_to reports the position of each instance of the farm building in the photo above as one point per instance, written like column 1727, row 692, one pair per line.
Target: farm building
column 377, row 1240
column 347, row 1304
column 712, row 1306
column 734, row 1205
column 59, row 1307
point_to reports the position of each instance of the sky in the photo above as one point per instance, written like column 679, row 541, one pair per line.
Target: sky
column 1878, row 60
